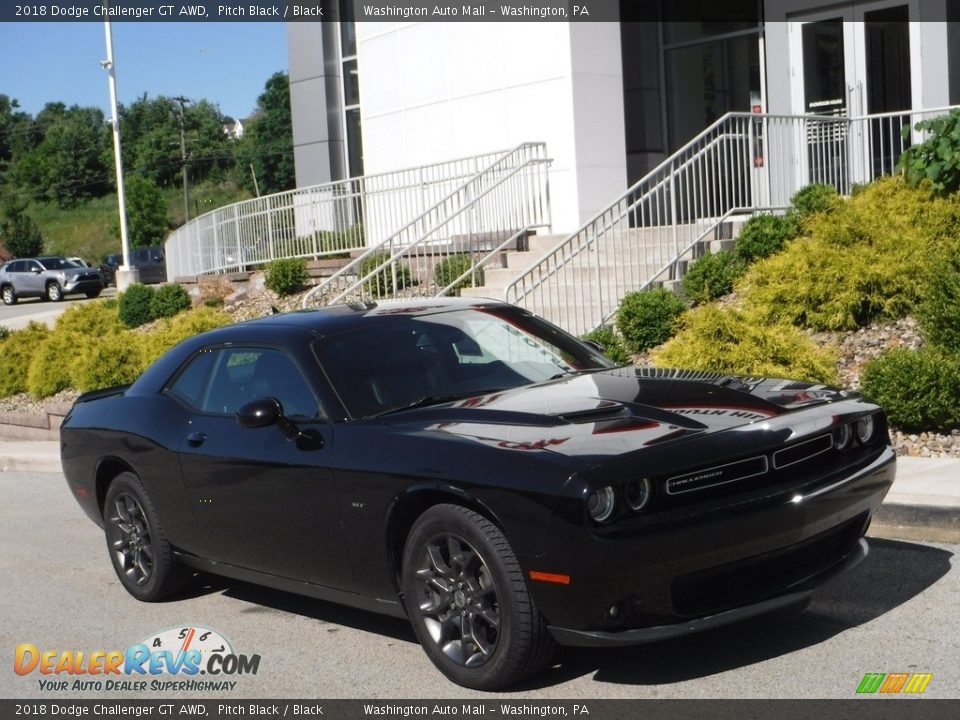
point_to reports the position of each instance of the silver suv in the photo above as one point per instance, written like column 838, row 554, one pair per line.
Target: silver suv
column 49, row 278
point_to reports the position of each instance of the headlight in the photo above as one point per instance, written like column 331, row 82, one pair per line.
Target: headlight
column 637, row 493
column 843, row 437
column 865, row 428
column 601, row 503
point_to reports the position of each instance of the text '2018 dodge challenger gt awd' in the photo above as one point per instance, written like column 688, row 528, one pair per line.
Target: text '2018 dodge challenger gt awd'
column 473, row 468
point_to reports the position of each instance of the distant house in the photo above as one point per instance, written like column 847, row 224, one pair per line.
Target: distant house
column 234, row 129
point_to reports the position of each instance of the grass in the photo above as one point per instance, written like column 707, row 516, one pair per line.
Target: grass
column 91, row 230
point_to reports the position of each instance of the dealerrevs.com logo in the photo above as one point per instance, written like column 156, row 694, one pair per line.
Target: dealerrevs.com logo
column 185, row 653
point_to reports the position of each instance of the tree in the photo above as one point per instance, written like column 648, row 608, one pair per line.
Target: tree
column 268, row 141
column 147, row 221
column 67, row 165
column 19, row 233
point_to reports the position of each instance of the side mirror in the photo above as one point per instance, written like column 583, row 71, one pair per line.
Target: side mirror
column 269, row 411
column 260, row 413
column 35, row 270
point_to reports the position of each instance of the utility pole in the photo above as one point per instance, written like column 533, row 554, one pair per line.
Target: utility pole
column 183, row 155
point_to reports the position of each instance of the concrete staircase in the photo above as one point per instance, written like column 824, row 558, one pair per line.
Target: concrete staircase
column 643, row 260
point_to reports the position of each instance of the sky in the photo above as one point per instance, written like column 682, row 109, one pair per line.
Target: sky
column 225, row 63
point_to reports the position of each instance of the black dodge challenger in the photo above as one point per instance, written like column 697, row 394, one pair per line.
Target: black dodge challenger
column 473, row 468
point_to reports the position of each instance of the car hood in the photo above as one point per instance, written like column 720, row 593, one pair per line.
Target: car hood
column 612, row 412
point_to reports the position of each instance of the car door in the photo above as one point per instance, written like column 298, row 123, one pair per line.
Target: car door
column 261, row 501
column 32, row 279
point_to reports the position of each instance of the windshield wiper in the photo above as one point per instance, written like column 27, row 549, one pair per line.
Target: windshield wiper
column 427, row 400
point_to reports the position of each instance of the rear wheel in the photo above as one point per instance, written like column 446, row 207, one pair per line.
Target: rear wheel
column 142, row 557
column 468, row 602
column 54, row 292
column 92, row 294
column 9, row 295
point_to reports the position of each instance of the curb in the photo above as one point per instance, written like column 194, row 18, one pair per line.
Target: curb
column 931, row 523
column 31, row 463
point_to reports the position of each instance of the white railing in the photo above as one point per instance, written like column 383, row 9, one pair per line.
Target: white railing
column 317, row 221
column 742, row 164
column 448, row 246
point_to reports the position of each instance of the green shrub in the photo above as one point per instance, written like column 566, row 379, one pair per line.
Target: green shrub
column 864, row 261
column 114, row 360
column 347, row 239
column 173, row 330
column 213, row 302
column 286, row 276
column 764, row 235
column 919, row 389
column 939, row 309
column 51, row 368
column 168, row 300
column 449, row 269
column 381, row 284
column 647, row 318
column 731, row 341
column 16, row 352
column 814, row 198
column 712, row 276
column 611, row 343
column 937, row 158
column 136, row 305
column 4, row 332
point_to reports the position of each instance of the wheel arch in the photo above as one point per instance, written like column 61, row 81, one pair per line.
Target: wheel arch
column 408, row 507
column 107, row 470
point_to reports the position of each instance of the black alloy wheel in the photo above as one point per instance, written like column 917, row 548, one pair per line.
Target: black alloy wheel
column 141, row 555
column 468, row 602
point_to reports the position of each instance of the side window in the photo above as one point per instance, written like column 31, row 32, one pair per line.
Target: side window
column 238, row 375
column 16, row 266
column 191, row 384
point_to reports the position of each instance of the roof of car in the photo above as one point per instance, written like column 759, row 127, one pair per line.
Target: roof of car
column 334, row 318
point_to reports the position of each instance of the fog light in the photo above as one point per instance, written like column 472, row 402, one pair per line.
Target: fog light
column 843, row 437
column 865, row 427
column 601, row 504
column 637, row 493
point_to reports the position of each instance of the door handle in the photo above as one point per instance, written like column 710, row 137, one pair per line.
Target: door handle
column 195, row 439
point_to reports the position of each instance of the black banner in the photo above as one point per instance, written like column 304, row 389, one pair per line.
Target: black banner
column 867, row 709
column 386, row 11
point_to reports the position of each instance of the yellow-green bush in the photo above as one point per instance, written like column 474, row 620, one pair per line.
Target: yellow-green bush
column 172, row 330
column 863, row 261
column 16, row 352
column 732, row 341
column 53, row 366
column 114, row 360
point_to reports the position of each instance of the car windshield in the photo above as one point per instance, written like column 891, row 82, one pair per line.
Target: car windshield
column 56, row 263
column 416, row 360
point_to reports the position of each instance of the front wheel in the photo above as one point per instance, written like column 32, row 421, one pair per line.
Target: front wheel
column 468, row 602
column 142, row 557
column 54, row 292
column 9, row 296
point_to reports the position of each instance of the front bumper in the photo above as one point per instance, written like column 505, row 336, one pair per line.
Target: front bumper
column 82, row 286
column 711, row 565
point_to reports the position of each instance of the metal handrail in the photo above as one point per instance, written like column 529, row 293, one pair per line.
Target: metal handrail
column 316, row 221
column 443, row 228
column 415, row 233
column 741, row 163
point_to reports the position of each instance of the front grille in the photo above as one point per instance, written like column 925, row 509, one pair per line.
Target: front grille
column 762, row 576
column 717, row 475
column 802, row 451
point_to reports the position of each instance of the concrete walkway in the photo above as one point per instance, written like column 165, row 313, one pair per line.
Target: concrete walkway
column 924, row 503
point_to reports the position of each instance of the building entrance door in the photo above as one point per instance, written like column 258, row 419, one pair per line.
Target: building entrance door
column 854, row 61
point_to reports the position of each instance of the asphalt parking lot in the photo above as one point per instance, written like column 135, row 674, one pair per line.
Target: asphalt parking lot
column 17, row 316
column 897, row 612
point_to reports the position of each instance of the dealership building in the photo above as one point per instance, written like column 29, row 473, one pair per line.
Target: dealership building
column 609, row 99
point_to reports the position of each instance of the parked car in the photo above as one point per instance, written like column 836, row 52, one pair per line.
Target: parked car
column 50, row 278
column 150, row 261
column 471, row 467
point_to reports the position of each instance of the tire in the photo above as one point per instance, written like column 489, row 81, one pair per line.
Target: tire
column 54, row 292
column 92, row 294
column 140, row 552
column 459, row 568
column 9, row 295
